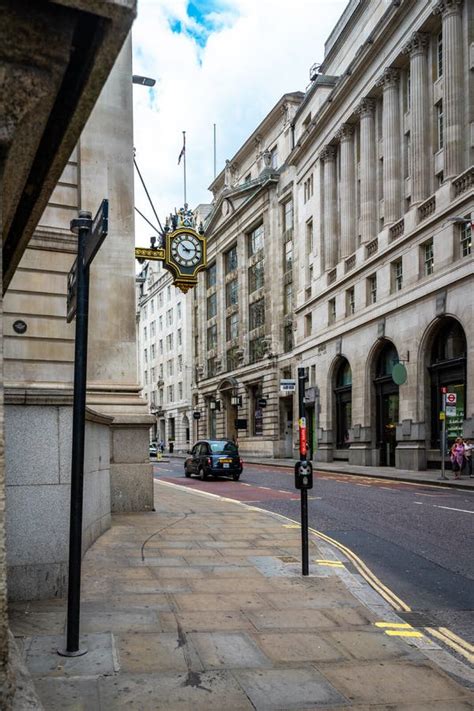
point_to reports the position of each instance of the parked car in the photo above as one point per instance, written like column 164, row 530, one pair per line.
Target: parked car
column 152, row 449
column 214, row 457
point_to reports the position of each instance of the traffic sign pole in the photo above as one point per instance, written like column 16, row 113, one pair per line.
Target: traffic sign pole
column 303, row 464
column 443, row 434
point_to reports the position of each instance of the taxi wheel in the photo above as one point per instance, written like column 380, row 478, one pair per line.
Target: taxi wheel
column 202, row 474
column 186, row 473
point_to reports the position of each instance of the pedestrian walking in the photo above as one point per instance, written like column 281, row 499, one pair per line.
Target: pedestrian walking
column 456, row 455
column 468, row 447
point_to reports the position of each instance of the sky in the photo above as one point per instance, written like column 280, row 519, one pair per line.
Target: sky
column 223, row 62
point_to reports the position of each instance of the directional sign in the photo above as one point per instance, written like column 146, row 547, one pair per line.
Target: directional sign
column 287, row 385
column 451, row 398
column 98, row 233
column 451, row 411
column 197, row 415
column 71, row 293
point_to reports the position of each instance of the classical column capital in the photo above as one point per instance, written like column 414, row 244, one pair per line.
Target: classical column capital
column 345, row 132
column 417, row 44
column 447, row 7
column 366, row 107
column 389, row 78
column 328, row 153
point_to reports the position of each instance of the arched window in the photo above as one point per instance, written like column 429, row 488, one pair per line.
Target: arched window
column 447, row 367
column 387, row 404
column 343, row 394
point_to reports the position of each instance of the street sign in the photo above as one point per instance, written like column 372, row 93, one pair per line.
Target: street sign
column 287, row 385
column 451, row 398
column 196, row 415
column 98, row 232
column 451, row 411
column 71, row 293
column 261, row 402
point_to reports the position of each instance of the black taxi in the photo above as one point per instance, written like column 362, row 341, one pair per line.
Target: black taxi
column 214, row 457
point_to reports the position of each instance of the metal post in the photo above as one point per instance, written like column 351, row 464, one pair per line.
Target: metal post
column 303, row 456
column 443, row 435
column 83, row 225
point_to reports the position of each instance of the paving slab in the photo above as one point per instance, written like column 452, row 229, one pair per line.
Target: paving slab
column 200, row 601
column 391, row 682
column 42, row 658
column 286, row 689
column 299, row 647
column 206, row 621
column 146, row 653
column 231, row 650
column 210, row 691
column 60, row 694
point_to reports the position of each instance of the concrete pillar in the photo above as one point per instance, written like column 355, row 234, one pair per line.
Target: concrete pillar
column 328, row 155
column 368, row 213
column 419, row 165
column 391, row 145
column 453, row 100
column 347, row 188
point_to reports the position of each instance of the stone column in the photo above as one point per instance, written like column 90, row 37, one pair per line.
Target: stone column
column 419, row 165
column 328, row 155
column 450, row 11
column 347, row 187
column 368, row 227
column 391, row 145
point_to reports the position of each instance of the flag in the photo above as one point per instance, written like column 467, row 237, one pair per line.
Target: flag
column 183, row 149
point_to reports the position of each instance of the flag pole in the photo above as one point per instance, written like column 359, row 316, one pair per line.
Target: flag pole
column 214, row 151
column 184, row 165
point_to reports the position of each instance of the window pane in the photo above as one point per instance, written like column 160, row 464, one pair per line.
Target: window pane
column 257, row 314
column 232, row 293
column 256, row 276
column 255, row 240
column 231, row 260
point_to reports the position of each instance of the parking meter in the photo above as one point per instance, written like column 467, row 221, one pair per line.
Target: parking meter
column 303, row 475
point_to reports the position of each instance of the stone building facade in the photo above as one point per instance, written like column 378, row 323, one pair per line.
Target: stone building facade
column 164, row 354
column 242, row 315
column 388, row 270
column 378, row 180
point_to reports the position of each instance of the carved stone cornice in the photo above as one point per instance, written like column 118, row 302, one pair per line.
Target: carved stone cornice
column 447, row 7
column 417, row 44
column 345, row 132
column 390, row 78
column 366, row 107
column 328, row 153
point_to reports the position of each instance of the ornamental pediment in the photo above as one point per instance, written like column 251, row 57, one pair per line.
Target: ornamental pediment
column 233, row 200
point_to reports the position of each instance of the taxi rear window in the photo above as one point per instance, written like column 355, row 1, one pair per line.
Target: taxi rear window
column 223, row 448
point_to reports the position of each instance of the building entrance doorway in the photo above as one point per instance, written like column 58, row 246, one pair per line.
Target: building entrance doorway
column 387, row 405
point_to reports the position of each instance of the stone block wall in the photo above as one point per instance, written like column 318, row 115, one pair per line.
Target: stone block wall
column 38, row 475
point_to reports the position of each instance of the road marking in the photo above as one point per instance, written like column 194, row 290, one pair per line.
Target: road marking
column 291, row 525
column 449, row 508
column 455, row 638
column 387, row 488
column 403, row 633
column 398, row 629
column 362, row 484
column 419, row 503
column 330, row 563
column 283, row 491
column 450, row 643
column 394, row 625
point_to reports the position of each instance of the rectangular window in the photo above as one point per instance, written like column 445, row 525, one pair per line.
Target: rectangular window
column 255, row 240
column 160, row 299
column 308, row 325
column 257, row 349
column 288, row 338
column 257, row 314
column 178, row 311
column 287, row 216
column 231, row 260
column 331, row 311
column 153, row 371
column 145, row 355
column 160, row 323
column 152, row 329
column 169, row 317
column 144, row 333
column 211, row 276
column 160, row 345
column 428, row 258
column 152, row 305
column 232, row 326
column 146, row 377
column 274, row 158
column 180, row 336
column 309, row 237
column 211, row 305
column 232, row 358
column 397, row 275
column 160, row 370
column 169, row 367
column 152, row 351
column 211, row 367
column 170, row 393
column 180, row 391
column 465, row 237
column 440, row 124
column 169, row 341
column 350, row 301
column 168, row 293
column 439, row 55
column 232, row 292
column 180, row 364
column 256, row 276
column 372, row 289
column 288, row 256
column 212, row 337
column 288, row 299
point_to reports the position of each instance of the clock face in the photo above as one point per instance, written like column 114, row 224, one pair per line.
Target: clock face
column 186, row 250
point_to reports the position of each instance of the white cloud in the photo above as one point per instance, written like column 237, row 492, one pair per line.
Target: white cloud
column 262, row 50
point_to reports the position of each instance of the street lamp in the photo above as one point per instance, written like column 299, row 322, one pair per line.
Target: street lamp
column 144, row 81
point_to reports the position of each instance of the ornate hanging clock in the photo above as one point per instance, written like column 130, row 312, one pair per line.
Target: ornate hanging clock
column 184, row 253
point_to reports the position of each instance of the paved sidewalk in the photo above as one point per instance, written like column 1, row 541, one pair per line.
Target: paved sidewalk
column 201, row 605
column 428, row 476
